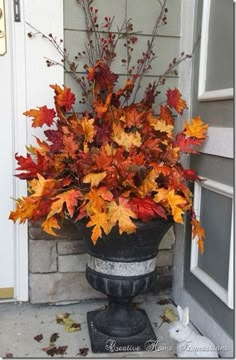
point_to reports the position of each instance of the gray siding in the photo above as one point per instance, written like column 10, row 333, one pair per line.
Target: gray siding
column 143, row 15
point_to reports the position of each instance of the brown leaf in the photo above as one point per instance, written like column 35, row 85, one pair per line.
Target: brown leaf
column 54, row 337
column 53, row 350
column 50, row 350
column 76, row 325
column 9, row 355
column 163, row 301
column 38, row 337
column 61, row 349
column 83, row 351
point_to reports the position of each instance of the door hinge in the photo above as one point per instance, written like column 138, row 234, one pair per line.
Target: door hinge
column 16, row 4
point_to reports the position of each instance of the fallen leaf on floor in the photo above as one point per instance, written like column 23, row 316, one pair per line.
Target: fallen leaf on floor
column 53, row 350
column 38, row 337
column 61, row 317
column 50, row 350
column 163, row 301
column 69, row 324
column 9, row 356
column 61, row 350
column 83, row 351
column 54, row 337
column 168, row 316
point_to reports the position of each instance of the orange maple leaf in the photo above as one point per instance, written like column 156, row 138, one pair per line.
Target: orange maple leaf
column 88, row 129
column 198, row 233
column 70, row 198
column 97, row 200
column 176, row 201
column 94, row 178
column 99, row 221
column 102, row 159
column 129, row 85
column 41, row 186
column 41, row 116
column 49, row 224
column 162, row 126
column 165, row 114
column 91, row 73
column 196, row 128
column 161, row 195
column 122, row 214
column 175, row 101
column 149, row 184
column 25, row 209
column 70, row 146
column 101, row 108
column 64, row 97
column 125, row 139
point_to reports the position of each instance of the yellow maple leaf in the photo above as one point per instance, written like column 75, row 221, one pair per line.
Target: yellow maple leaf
column 70, row 198
column 97, row 200
column 196, row 128
column 125, row 139
column 41, row 186
column 88, row 129
column 175, row 201
column 49, row 224
column 162, row 126
column 161, row 195
column 149, row 184
column 100, row 222
column 121, row 214
column 94, row 178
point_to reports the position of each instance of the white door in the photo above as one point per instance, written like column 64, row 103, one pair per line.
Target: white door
column 25, row 81
column 13, row 258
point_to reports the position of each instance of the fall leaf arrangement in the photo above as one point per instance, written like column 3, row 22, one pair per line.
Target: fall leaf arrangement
column 119, row 160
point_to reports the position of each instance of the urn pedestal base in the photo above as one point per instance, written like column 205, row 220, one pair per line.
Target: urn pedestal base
column 103, row 343
column 122, row 267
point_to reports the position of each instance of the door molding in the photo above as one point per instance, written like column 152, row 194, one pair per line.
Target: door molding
column 17, row 44
column 31, row 88
column 225, row 295
column 203, row 95
column 219, row 142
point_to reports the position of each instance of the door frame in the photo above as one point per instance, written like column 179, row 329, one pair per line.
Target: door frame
column 199, row 317
column 28, row 55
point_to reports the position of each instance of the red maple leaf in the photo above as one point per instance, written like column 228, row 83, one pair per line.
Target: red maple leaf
column 30, row 167
column 165, row 114
column 54, row 136
column 146, row 209
column 175, row 101
column 64, row 97
column 186, row 144
column 41, row 116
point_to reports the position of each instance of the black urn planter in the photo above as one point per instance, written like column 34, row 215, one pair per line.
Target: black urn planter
column 122, row 266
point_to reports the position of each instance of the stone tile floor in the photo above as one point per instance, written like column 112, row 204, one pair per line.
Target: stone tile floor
column 20, row 323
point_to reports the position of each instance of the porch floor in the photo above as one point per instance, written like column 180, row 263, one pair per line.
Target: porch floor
column 20, row 323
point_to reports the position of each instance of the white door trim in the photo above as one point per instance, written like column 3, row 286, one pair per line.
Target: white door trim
column 31, row 88
column 203, row 95
column 219, row 142
column 225, row 295
column 20, row 136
